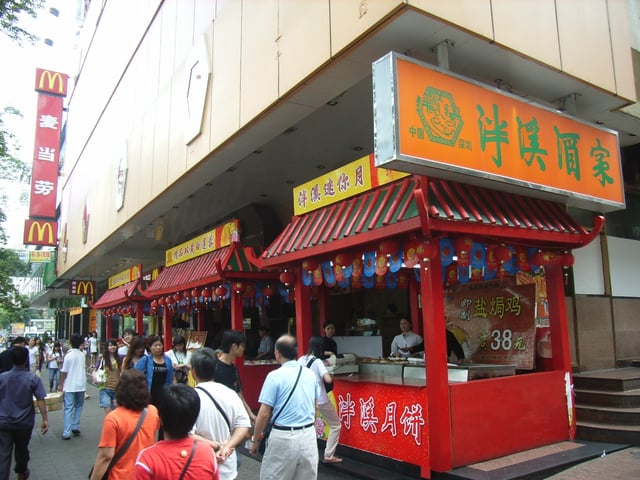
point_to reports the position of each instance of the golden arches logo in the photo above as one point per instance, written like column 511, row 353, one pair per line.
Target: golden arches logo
column 40, row 233
column 55, row 82
column 82, row 287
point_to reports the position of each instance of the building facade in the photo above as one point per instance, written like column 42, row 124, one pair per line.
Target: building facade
column 184, row 114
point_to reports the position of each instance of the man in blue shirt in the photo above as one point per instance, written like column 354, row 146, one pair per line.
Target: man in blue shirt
column 18, row 386
column 288, row 396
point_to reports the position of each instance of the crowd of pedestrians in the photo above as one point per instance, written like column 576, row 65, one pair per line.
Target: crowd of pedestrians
column 168, row 413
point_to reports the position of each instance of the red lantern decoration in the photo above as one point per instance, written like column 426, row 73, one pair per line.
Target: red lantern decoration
column 153, row 304
column 186, row 294
column 178, row 297
column 502, row 253
column 238, row 287
column 343, row 259
column 463, row 244
column 287, row 278
column 169, row 300
column 268, row 291
column 161, row 301
column 220, row 291
column 195, row 293
column 387, row 247
column 206, row 292
column 310, row 264
column 567, row 259
column 427, row 250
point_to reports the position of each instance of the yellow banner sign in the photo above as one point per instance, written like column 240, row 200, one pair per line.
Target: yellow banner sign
column 436, row 123
column 347, row 181
column 126, row 276
column 220, row 236
column 39, row 256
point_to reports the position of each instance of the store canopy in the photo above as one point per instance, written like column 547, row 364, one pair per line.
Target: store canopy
column 231, row 262
column 431, row 206
column 129, row 292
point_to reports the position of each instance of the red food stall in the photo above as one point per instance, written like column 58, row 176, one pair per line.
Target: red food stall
column 480, row 245
column 418, row 213
column 212, row 271
column 123, row 297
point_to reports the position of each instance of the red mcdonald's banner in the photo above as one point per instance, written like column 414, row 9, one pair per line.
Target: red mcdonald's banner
column 54, row 83
column 40, row 232
column 46, row 157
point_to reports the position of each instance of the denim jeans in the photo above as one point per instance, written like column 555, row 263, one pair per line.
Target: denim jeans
column 54, row 379
column 73, row 403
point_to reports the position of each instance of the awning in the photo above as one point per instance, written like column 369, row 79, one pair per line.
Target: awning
column 119, row 295
column 434, row 207
column 232, row 262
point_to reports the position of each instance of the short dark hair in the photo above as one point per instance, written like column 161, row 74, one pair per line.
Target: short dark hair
column 229, row 337
column 203, row 364
column 132, row 391
column 179, row 340
column 19, row 355
column 17, row 340
column 329, row 322
column 76, row 340
column 287, row 346
column 178, row 407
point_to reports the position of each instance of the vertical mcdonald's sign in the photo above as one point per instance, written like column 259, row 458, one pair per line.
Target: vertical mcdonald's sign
column 54, row 83
column 40, row 232
column 52, row 88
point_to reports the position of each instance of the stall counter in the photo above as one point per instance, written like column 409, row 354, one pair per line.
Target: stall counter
column 255, row 371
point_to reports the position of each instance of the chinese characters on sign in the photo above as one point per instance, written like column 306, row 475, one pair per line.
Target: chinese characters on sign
column 220, row 236
column 495, row 325
column 356, row 177
column 444, row 125
column 380, row 419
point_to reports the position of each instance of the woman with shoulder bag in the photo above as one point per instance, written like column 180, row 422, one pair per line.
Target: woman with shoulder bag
column 54, row 362
column 313, row 360
column 180, row 359
column 111, row 364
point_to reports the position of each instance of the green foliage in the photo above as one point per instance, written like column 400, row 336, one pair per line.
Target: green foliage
column 13, row 305
column 11, row 168
column 10, row 13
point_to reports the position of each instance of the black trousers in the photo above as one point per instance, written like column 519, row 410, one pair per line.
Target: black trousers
column 10, row 438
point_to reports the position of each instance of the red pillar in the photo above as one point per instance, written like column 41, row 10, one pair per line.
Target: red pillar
column 200, row 325
column 435, row 343
column 303, row 314
column 107, row 327
column 139, row 318
column 166, row 329
column 561, row 355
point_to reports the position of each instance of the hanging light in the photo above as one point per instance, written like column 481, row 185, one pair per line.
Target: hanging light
column 310, row 264
column 220, row 291
column 195, row 293
column 178, row 297
column 343, row 259
column 268, row 291
column 206, row 292
column 502, row 253
column 238, row 287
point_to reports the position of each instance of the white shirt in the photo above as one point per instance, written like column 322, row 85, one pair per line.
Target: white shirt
column 34, row 353
column 73, row 365
column 211, row 424
column 93, row 345
column 405, row 341
column 179, row 358
column 318, row 367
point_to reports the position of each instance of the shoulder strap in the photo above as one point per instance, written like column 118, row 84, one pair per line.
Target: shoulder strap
column 224, row 415
column 186, row 465
column 126, row 446
column 273, row 422
column 310, row 362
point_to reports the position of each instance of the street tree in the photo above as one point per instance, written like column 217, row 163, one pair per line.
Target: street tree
column 10, row 13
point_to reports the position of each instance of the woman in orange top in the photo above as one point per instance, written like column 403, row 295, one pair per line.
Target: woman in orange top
column 132, row 397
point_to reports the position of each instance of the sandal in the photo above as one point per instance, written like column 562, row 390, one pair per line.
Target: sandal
column 333, row 459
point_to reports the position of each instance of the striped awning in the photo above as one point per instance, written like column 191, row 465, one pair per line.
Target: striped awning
column 227, row 262
column 432, row 206
column 119, row 295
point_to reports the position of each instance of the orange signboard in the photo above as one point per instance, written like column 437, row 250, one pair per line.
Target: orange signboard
column 347, row 181
column 432, row 122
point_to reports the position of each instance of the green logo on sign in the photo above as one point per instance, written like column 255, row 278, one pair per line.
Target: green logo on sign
column 440, row 116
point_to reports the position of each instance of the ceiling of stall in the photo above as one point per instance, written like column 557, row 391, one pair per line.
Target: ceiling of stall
column 316, row 129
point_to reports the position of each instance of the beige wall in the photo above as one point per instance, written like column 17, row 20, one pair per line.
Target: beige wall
column 626, row 311
column 132, row 86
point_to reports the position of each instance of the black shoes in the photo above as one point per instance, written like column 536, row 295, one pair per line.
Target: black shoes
column 76, row 433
